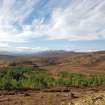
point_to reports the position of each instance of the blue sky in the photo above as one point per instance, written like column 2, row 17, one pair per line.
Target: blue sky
column 39, row 25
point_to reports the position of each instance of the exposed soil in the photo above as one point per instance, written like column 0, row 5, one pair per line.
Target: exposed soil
column 54, row 96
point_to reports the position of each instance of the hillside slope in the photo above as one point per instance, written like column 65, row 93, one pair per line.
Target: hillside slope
column 93, row 62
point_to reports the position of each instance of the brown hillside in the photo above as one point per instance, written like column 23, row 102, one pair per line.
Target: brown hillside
column 93, row 62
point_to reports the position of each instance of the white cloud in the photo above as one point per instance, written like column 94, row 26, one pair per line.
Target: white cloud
column 3, row 45
column 81, row 48
column 13, row 12
column 19, row 50
column 80, row 20
column 16, row 11
column 30, row 50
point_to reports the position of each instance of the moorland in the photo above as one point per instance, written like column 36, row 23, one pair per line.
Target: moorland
column 53, row 78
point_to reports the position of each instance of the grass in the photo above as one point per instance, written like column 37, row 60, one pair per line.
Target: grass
column 21, row 78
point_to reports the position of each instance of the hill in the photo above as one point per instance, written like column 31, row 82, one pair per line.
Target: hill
column 57, row 61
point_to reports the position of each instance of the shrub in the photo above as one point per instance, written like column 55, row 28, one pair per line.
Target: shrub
column 21, row 77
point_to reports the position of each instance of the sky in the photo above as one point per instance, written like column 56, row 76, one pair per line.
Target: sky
column 40, row 25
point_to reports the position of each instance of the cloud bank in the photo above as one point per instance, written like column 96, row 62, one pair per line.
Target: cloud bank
column 22, row 21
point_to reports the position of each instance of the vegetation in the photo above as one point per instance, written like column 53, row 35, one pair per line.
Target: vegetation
column 80, row 80
column 23, row 78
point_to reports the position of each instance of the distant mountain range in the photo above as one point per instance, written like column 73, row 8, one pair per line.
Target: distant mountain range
column 54, row 53
column 40, row 53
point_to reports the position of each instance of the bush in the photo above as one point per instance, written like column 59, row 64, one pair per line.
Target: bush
column 80, row 80
column 21, row 78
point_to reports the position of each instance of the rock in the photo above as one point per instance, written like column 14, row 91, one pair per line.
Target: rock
column 71, row 95
column 75, row 95
column 96, row 98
